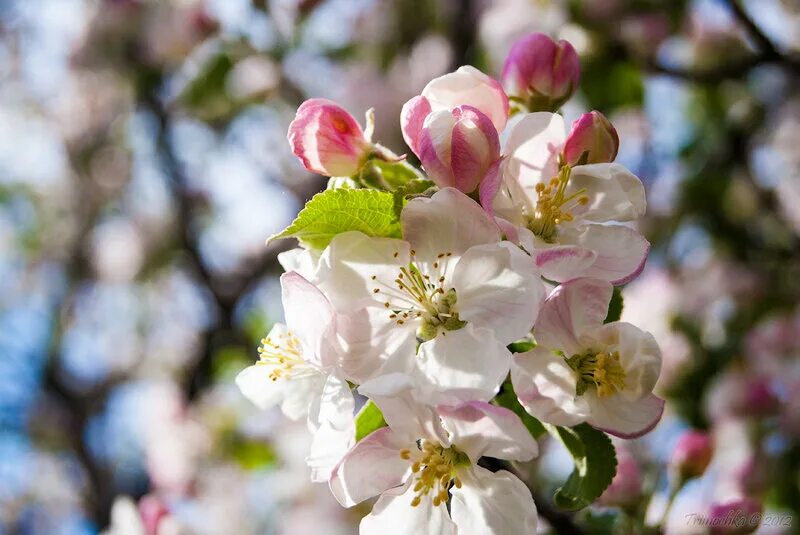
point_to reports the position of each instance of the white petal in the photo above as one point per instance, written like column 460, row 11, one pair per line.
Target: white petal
column 394, row 515
column 623, row 417
column 571, row 310
column 546, row 387
column 620, row 252
column 615, row 194
column 300, row 394
column 309, row 316
column 639, row 354
column 300, row 260
column 498, row 287
column 563, row 263
column 372, row 466
column 334, row 406
column 257, row 386
column 328, row 446
column 478, row 428
column 370, row 344
column 348, row 264
column 464, row 365
column 398, row 396
column 488, row 503
column 448, row 222
column 532, row 150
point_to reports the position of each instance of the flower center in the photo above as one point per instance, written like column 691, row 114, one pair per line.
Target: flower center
column 434, row 468
column 553, row 205
column 602, row 371
column 284, row 354
column 419, row 292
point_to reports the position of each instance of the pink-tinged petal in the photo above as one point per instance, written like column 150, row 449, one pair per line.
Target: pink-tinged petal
column 572, row 310
column 625, row 418
column 594, row 136
column 469, row 87
column 309, row 316
column 532, row 150
column 546, row 387
column 621, row 252
column 394, row 514
column 488, row 189
column 478, row 428
column 435, row 147
column 463, row 365
column 542, row 70
column 509, row 230
column 614, row 193
column 564, row 263
column 327, row 139
column 448, row 222
column 492, row 503
column 412, row 117
column 475, row 148
column 498, row 288
column 371, row 467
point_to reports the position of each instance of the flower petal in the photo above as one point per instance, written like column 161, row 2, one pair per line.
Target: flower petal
column 394, row 514
column 570, row 311
column 309, row 316
column 334, row 406
column 498, row 287
column 469, row 86
column 372, row 466
column 639, row 355
column 546, row 387
column 623, row 417
column 412, row 117
column 492, row 503
column 615, row 194
column 348, row 264
column 464, row 365
column 563, row 263
column 448, row 222
column 621, row 251
column 532, row 150
column 478, row 428
column 328, row 446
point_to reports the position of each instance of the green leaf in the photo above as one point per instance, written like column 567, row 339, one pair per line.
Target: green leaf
column 335, row 211
column 615, row 306
column 368, row 419
column 521, row 346
column 595, row 465
column 508, row 398
column 410, row 189
column 397, row 174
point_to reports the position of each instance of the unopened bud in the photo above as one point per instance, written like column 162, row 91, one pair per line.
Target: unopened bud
column 540, row 73
column 592, row 139
column 692, row 454
column 736, row 517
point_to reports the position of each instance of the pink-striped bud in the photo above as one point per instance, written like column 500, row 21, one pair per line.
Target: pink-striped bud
column 327, row 139
column 458, row 148
column 592, row 139
column 692, row 454
column 541, row 73
column 738, row 516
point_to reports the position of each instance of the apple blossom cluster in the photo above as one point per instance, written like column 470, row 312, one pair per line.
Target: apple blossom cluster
column 462, row 306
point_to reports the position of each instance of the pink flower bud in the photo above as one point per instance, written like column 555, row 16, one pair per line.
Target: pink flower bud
column 327, row 139
column 458, row 148
column 541, row 73
column 626, row 487
column 738, row 516
column 152, row 511
column 593, row 135
column 692, row 454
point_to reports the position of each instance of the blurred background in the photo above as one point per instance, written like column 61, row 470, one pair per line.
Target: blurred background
column 143, row 163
